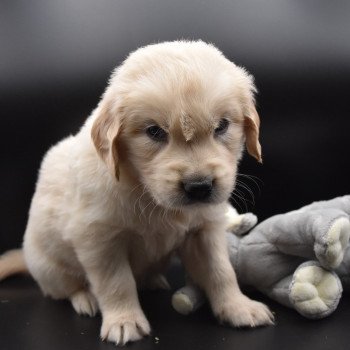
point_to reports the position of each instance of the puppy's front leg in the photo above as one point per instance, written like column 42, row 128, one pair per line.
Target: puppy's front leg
column 206, row 259
column 109, row 273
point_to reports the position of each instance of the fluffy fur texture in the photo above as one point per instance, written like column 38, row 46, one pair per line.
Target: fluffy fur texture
column 109, row 207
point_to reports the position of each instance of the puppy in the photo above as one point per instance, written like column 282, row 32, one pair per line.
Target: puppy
column 148, row 175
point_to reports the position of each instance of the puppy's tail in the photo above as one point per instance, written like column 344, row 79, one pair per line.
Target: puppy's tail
column 11, row 263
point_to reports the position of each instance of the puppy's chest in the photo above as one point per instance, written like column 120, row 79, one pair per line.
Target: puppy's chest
column 155, row 236
column 150, row 247
column 155, row 243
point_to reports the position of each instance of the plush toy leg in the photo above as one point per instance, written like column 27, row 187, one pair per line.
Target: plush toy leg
column 343, row 271
column 239, row 224
column 187, row 299
column 312, row 291
column 330, row 247
column 318, row 233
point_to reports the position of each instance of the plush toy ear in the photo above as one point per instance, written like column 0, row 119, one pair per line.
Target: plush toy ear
column 251, row 130
column 105, row 132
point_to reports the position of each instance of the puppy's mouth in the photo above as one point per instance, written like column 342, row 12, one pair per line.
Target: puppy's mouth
column 184, row 201
column 189, row 201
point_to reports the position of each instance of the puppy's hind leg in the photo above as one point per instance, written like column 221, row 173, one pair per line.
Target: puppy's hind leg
column 59, row 280
column 84, row 302
column 58, row 283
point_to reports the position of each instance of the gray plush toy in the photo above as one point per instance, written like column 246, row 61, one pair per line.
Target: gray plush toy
column 300, row 259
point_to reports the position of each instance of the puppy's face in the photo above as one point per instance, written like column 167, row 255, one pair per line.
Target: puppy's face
column 187, row 153
column 176, row 116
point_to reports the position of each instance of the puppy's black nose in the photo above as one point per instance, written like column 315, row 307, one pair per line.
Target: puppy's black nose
column 198, row 189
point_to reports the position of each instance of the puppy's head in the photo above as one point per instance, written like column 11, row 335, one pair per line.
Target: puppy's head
column 175, row 117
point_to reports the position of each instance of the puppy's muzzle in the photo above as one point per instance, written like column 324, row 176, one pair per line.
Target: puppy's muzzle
column 198, row 189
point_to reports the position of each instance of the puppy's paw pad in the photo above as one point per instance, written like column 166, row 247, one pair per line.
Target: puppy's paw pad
column 315, row 292
column 84, row 303
column 245, row 312
column 124, row 329
column 335, row 240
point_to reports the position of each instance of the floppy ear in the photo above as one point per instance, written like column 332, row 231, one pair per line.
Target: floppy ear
column 251, row 130
column 105, row 132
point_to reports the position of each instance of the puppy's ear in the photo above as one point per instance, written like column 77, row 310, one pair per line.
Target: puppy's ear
column 251, row 130
column 105, row 132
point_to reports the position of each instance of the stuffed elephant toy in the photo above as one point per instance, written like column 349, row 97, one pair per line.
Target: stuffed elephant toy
column 300, row 259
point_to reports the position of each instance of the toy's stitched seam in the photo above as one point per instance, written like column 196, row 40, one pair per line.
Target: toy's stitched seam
column 236, row 258
column 275, row 244
column 278, row 281
column 282, row 289
column 329, row 226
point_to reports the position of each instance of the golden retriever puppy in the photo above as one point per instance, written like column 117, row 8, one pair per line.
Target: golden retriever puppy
column 148, row 175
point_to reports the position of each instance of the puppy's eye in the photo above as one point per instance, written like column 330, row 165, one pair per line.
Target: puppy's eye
column 156, row 133
column 222, row 128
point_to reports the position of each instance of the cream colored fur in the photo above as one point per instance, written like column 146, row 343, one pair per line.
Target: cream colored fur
column 108, row 211
column 12, row 262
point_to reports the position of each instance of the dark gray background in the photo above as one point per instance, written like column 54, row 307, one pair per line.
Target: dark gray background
column 55, row 59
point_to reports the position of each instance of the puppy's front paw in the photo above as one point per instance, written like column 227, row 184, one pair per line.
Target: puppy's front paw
column 244, row 312
column 126, row 327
